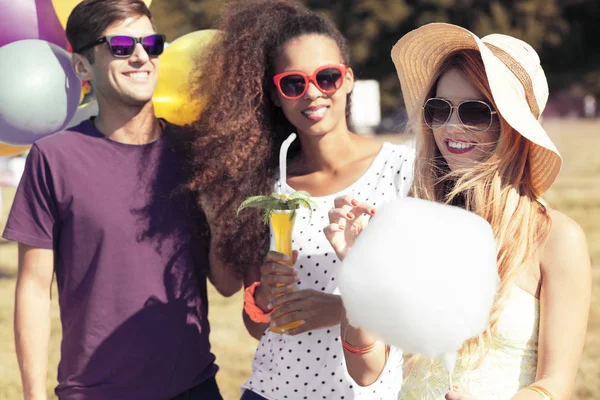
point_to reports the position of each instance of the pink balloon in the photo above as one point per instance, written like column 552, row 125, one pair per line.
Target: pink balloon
column 30, row 19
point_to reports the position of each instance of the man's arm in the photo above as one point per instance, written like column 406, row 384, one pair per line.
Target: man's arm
column 32, row 318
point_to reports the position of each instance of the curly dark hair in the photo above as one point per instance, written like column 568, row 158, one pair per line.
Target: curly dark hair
column 236, row 140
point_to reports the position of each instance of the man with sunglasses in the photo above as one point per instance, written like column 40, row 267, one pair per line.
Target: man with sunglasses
column 97, row 205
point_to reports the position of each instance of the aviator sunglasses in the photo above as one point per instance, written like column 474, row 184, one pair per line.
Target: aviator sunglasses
column 293, row 85
column 475, row 115
column 123, row 46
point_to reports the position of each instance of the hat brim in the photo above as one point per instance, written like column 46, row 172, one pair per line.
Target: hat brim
column 418, row 54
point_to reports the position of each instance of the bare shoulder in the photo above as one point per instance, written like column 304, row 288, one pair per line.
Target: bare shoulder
column 564, row 229
column 566, row 246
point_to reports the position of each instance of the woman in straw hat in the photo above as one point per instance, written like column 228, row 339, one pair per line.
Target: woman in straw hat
column 475, row 106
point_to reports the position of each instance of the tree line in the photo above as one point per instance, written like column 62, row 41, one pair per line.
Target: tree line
column 566, row 33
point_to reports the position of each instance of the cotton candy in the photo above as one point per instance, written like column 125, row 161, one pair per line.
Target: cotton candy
column 422, row 276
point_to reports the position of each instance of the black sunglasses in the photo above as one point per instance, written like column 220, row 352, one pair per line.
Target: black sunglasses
column 475, row 115
column 123, row 46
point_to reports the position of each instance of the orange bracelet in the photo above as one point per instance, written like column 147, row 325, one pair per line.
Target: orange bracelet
column 353, row 349
column 255, row 313
column 357, row 350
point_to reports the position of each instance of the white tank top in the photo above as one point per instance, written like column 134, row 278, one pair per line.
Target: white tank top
column 509, row 365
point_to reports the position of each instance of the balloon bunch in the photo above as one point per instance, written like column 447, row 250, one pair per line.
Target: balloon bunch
column 39, row 91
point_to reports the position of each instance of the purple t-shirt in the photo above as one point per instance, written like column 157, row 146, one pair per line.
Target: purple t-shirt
column 130, row 264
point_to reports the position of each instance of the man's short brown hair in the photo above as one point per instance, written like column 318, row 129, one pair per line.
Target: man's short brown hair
column 90, row 18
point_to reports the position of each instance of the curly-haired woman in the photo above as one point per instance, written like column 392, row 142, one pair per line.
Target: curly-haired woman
column 279, row 68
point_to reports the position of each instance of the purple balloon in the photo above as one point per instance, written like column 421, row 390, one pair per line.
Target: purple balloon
column 30, row 19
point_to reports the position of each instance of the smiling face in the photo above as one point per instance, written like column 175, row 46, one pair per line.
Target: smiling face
column 460, row 146
column 315, row 113
column 129, row 81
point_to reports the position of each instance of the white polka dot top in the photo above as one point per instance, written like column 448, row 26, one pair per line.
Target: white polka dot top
column 311, row 365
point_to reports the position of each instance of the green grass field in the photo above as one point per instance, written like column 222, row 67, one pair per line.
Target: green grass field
column 576, row 193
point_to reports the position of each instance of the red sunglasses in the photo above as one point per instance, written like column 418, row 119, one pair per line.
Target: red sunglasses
column 294, row 84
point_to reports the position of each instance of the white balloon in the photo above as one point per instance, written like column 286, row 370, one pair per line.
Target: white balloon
column 422, row 276
column 39, row 92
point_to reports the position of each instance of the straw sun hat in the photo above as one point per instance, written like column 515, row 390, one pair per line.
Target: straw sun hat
column 513, row 70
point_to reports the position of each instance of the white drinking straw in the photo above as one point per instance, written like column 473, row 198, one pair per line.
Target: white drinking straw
column 283, row 161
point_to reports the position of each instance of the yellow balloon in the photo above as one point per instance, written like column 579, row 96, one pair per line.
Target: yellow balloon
column 63, row 9
column 177, row 69
column 7, row 150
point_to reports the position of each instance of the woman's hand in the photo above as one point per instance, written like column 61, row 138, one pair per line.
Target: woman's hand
column 276, row 278
column 315, row 309
column 346, row 221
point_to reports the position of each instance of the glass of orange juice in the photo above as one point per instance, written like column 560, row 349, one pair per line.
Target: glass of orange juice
column 282, row 224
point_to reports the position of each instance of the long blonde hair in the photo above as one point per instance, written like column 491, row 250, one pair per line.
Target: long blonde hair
column 498, row 189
